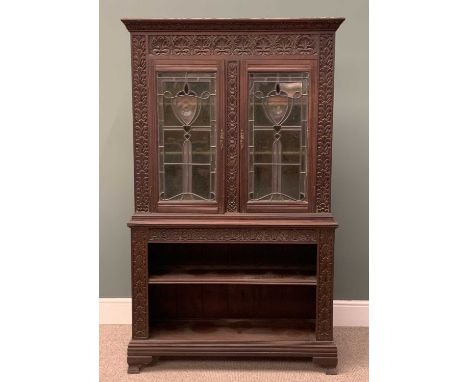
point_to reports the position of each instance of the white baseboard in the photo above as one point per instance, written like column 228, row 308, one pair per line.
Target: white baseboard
column 115, row 311
column 345, row 312
column 351, row 313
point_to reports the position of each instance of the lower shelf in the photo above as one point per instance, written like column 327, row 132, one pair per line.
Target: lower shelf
column 231, row 338
column 233, row 330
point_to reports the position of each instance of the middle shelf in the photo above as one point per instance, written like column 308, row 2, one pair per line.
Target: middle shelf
column 250, row 277
column 235, row 264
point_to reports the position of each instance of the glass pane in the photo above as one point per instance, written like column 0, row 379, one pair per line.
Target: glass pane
column 262, row 181
column 186, row 104
column 263, row 145
column 291, row 144
column 173, row 180
column 202, row 186
column 278, row 113
column 290, row 181
column 173, row 140
column 201, row 146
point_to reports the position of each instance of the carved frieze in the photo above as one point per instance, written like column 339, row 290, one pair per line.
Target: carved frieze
column 234, row 45
column 232, row 234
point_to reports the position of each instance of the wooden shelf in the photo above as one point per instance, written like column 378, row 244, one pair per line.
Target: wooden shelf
column 227, row 330
column 251, row 277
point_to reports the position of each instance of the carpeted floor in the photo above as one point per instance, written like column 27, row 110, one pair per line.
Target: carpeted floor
column 353, row 356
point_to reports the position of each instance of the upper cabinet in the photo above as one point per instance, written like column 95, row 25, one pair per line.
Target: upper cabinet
column 232, row 116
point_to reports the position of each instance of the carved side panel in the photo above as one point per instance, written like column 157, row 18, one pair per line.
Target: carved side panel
column 325, row 122
column 232, row 146
column 139, row 283
column 235, row 45
column 324, row 330
column 140, row 123
column 232, row 234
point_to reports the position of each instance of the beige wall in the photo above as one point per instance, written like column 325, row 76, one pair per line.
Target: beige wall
column 350, row 151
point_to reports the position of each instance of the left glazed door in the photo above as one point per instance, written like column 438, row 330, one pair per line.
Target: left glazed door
column 187, row 135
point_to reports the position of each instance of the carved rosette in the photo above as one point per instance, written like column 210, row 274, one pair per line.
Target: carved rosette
column 232, row 234
column 140, row 123
column 263, row 46
column 242, row 45
column 238, row 44
column 182, row 45
column 305, row 45
column 284, row 45
column 202, row 45
column 222, row 45
column 324, row 330
column 139, row 282
column 160, row 45
column 232, row 147
column 325, row 121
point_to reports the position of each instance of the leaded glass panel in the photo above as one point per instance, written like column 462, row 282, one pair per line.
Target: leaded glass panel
column 186, row 104
column 278, row 114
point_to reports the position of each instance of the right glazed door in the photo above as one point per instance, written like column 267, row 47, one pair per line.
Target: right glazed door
column 278, row 118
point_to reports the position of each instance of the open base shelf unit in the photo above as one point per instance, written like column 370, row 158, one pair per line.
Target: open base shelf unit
column 224, row 287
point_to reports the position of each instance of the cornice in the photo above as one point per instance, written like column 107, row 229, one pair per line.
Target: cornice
column 233, row 25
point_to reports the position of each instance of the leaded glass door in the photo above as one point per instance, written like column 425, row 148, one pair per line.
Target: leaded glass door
column 187, row 101
column 277, row 136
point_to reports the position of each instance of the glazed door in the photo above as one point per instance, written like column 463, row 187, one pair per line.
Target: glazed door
column 187, row 100
column 278, row 115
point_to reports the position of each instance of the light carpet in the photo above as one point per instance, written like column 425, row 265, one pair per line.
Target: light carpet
column 353, row 357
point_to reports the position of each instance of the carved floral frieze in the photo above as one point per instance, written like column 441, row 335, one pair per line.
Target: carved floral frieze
column 234, row 45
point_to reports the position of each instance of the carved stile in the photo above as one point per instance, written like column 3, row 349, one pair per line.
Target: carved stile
column 139, row 283
column 325, row 121
column 325, row 286
column 232, row 149
column 140, row 124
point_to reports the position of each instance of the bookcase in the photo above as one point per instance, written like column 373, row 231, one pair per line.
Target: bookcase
column 232, row 236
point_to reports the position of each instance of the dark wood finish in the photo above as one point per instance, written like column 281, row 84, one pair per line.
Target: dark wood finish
column 233, row 330
column 232, row 135
column 219, row 301
column 232, row 277
column 167, row 257
column 135, row 363
column 236, row 25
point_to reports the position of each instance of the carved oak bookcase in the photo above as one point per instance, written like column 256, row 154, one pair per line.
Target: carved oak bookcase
column 232, row 236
